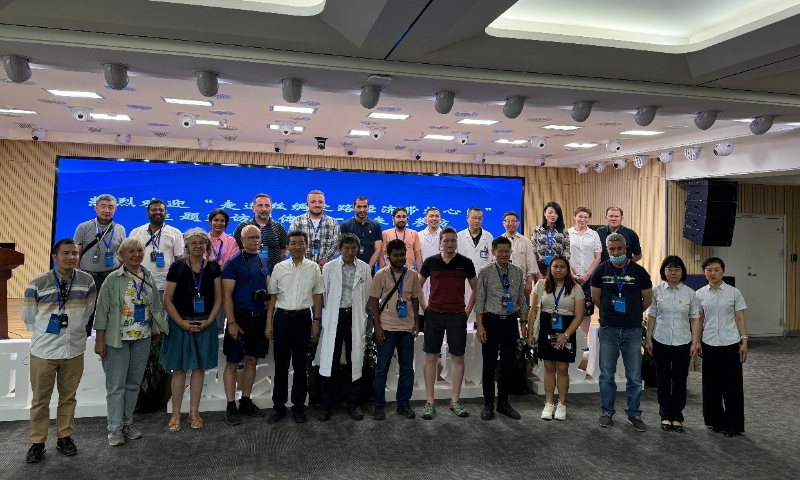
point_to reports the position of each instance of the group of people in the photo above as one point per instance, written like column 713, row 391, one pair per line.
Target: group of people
column 265, row 285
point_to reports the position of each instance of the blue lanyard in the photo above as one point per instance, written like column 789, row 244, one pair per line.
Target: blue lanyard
column 266, row 232
column 103, row 234
column 319, row 225
column 398, row 238
column 558, row 298
column 503, row 279
column 217, row 253
column 400, row 287
column 620, row 281
column 156, row 239
column 63, row 301
column 198, row 282
column 550, row 239
column 141, row 285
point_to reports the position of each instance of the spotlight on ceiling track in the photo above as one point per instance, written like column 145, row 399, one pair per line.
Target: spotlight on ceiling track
column 666, row 157
column 614, row 146
column 723, row 149
column 462, row 138
column 444, row 101
column 416, row 154
column 38, row 134
column 204, row 143
column 704, row 120
column 513, row 106
column 17, row 68
column 581, row 169
column 645, row 115
column 761, row 125
column 639, row 161
column 581, row 110
column 207, row 82
column 600, row 166
column 692, row 153
column 479, row 158
column 370, row 95
column 292, row 89
column 280, row 147
column 539, row 161
column 350, row 150
column 123, row 138
column 619, row 163
column 116, row 75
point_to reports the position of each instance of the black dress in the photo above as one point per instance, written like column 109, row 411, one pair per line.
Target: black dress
column 547, row 337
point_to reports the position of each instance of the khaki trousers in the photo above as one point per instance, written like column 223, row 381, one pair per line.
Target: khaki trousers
column 45, row 374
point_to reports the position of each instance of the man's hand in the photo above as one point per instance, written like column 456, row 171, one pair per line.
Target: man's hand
column 314, row 329
column 100, row 348
column 379, row 335
column 481, row 334
column 696, row 349
column 156, row 338
column 234, row 330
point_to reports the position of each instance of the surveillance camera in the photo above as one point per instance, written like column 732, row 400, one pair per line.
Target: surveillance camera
column 207, row 82
column 614, row 146
column 692, row 153
column 280, row 147
column 444, row 101
column 123, row 138
column 581, row 169
column 80, row 114
column 321, row 143
column 761, row 125
column 204, row 143
column 639, row 161
column 581, row 110
column 513, row 106
column 462, row 138
column 478, row 158
column 116, row 75
column 538, row 142
column 292, row 89
column 187, row 120
column 723, row 149
column 416, row 154
column 600, row 166
column 704, row 120
column 666, row 157
column 645, row 115
column 620, row 163
column 17, row 68
column 370, row 95
column 38, row 134
column 286, row 128
column 350, row 150
column 376, row 133
column 539, row 162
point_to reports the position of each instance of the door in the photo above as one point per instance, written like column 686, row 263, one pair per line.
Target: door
column 755, row 259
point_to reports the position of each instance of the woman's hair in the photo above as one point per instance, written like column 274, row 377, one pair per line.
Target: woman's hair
column 550, row 283
column 711, row 260
column 127, row 244
column 219, row 211
column 673, row 261
column 196, row 232
column 559, row 222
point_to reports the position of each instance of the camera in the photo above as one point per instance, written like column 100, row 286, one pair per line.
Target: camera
column 187, row 120
column 80, row 114
column 286, row 128
column 280, row 147
column 260, row 295
column 538, row 142
column 639, row 161
column 666, row 157
column 539, row 162
column 38, row 134
column 123, row 138
column 614, row 146
column 376, row 133
column 723, row 149
column 350, row 150
column 620, row 163
column 581, row 169
column 416, row 154
column 321, row 143
column 462, row 138
column 600, row 166
column 204, row 143
column 692, row 153
column 477, row 158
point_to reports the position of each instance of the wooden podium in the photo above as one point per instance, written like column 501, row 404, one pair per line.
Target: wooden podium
column 9, row 260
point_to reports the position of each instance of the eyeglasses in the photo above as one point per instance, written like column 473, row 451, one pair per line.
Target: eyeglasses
column 673, row 270
column 252, row 237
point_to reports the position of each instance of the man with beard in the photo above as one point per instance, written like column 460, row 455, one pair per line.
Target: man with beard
column 408, row 236
column 163, row 244
column 273, row 235
column 368, row 232
column 321, row 230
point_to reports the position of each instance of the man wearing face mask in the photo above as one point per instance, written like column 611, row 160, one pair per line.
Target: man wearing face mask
column 163, row 244
column 273, row 235
column 322, row 231
column 622, row 291
column 409, row 237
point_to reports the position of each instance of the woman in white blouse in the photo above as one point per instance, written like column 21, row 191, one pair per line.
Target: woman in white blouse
column 673, row 337
column 585, row 249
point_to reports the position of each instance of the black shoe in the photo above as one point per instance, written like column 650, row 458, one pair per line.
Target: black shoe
column 299, row 416
column 715, row 429
column 379, row 413
column 488, row 412
column 66, row 446
column 35, row 453
column 505, row 409
column 232, row 416
column 324, row 415
column 247, row 407
column 731, row 433
column 277, row 416
column 406, row 411
column 356, row 413
column 666, row 426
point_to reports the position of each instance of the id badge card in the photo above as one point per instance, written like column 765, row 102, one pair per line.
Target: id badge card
column 361, row 250
column 153, row 256
column 160, row 259
column 315, row 248
column 109, row 259
column 485, row 253
column 557, row 321
column 199, row 304
column 402, row 308
column 548, row 257
column 508, row 302
column 619, row 304
column 138, row 313
column 265, row 253
column 95, row 258
column 54, row 324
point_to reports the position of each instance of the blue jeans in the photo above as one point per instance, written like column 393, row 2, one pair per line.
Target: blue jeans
column 124, row 368
column 404, row 343
column 614, row 341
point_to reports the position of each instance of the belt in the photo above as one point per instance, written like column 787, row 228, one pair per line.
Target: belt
column 244, row 311
column 345, row 310
column 502, row 317
column 295, row 313
column 99, row 274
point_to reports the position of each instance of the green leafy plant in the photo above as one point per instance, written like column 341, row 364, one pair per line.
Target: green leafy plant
column 370, row 350
column 312, row 351
column 153, row 370
column 646, row 357
column 524, row 355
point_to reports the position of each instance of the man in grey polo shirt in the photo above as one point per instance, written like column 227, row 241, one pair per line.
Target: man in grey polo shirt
column 98, row 241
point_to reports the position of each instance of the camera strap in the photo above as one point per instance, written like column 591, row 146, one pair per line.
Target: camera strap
column 249, row 273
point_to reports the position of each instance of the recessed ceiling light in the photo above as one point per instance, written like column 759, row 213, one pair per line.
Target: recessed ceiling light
column 105, row 116
column 296, row 128
column 17, row 111
column 560, row 127
column 641, row 133
column 358, row 133
column 207, row 122
column 580, row 145
column 743, row 120
column 793, row 124
column 389, row 116
column 183, row 101
column 74, row 94
column 512, row 142
column 432, row 136
column 281, row 108
column 475, row 121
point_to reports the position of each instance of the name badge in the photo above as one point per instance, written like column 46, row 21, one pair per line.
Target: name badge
column 508, row 302
column 315, row 247
column 402, row 308
column 95, row 258
column 485, row 253
column 556, row 321
column 199, row 304
column 153, row 256
column 160, row 259
column 54, row 324
column 619, row 304
column 109, row 258
column 361, row 250
column 138, row 313
column 265, row 253
column 548, row 257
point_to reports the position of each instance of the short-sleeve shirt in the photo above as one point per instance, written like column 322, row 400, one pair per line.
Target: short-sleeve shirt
column 382, row 284
column 247, row 279
column 447, row 282
column 673, row 309
column 559, row 242
column 567, row 302
column 170, row 242
column 93, row 260
column 273, row 237
column 582, row 249
column 410, row 238
column 223, row 248
column 632, row 246
column 719, row 308
column 184, row 278
column 296, row 285
column 368, row 233
column 634, row 280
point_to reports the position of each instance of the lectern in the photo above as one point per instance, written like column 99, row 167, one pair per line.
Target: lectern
column 9, row 260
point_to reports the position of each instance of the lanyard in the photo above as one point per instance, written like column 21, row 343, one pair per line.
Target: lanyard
column 503, row 279
column 198, row 282
column 141, row 285
column 551, row 235
column 155, row 239
column 319, row 225
column 217, row 253
column 246, row 257
column 558, row 298
column 400, row 286
column 266, row 232
column 620, row 281
column 102, row 234
column 398, row 238
column 62, row 300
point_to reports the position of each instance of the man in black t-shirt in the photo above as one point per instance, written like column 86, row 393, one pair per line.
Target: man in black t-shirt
column 622, row 290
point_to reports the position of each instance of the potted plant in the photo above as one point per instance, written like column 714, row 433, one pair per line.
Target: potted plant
column 314, row 379
column 155, row 389
column 649, row 376
column 367, row 392
column 524, row 358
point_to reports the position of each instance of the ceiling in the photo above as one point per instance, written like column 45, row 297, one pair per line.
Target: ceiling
column 424, row 46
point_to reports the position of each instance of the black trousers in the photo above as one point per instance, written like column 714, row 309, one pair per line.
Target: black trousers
column 723, row 388
column 330, row 385
column 672, row 368
column 291, row 334
column 501, row 337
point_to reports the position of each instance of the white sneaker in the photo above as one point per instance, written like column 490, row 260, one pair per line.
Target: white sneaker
column 547, row 413
column 561, row 412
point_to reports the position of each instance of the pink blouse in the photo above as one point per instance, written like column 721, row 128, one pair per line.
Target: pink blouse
column 223, row 248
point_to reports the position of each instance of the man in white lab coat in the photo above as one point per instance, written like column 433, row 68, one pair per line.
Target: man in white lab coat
column 344, row 319
column 475, row 243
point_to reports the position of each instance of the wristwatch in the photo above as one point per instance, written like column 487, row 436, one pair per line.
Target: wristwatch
column 743, row 337
column 318, row 319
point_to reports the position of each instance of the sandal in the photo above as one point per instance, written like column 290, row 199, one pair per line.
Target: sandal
column 195, row 421
column 677, row 426
column 175, row 422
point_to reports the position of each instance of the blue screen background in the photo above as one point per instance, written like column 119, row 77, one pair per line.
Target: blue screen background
column 191, row 191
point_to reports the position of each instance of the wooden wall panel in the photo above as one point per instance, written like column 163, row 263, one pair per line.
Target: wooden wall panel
column 28, row 175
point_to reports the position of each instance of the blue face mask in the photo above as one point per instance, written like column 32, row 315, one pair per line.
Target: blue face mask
column 618, row 260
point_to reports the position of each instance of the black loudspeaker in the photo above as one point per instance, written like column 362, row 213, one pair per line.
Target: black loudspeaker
column 710, row 209
column 710, row 212
column 711, row 190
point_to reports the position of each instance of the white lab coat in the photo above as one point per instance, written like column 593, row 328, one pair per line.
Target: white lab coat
column 468, row 248
column 332, row 276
